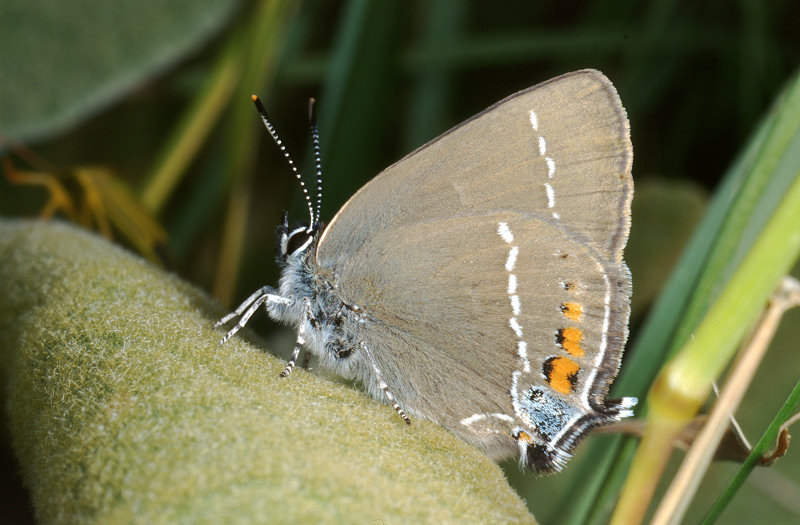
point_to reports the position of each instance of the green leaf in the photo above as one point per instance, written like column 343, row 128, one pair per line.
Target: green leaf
column 64, row 61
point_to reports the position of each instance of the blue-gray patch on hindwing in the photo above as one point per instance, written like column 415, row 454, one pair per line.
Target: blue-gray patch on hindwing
column 549, row 415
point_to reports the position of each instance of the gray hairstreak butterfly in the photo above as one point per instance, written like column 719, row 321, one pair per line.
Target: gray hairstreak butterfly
column 478, row 282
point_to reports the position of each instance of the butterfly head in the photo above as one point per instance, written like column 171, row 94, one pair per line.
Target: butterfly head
column 296, row 241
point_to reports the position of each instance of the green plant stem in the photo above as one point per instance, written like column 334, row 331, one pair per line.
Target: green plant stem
column 767, row 440
column 189, row 135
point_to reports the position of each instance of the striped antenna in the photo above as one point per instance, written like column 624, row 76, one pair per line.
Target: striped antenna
column 312, row 117
column 279, row 142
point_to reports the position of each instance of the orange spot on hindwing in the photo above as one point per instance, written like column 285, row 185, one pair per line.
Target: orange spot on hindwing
column 569, row 339
column 572, row 311
column 524, row 437
column 561, row 373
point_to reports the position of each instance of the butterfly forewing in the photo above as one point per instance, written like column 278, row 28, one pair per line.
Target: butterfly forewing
column 560, row 148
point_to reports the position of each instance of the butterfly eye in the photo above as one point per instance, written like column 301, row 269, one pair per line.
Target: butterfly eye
column 297, row 240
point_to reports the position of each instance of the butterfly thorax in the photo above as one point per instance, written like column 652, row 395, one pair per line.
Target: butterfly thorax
column 330, row 323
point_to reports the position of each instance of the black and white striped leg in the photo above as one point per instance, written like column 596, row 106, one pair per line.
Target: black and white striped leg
column 295, row 353
column 301, row 339
column 384, row 386
column 248, row 308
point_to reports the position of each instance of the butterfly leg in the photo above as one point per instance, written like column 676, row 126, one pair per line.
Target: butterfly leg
column 301, row 338
column 384, row 386
column 248, row 308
